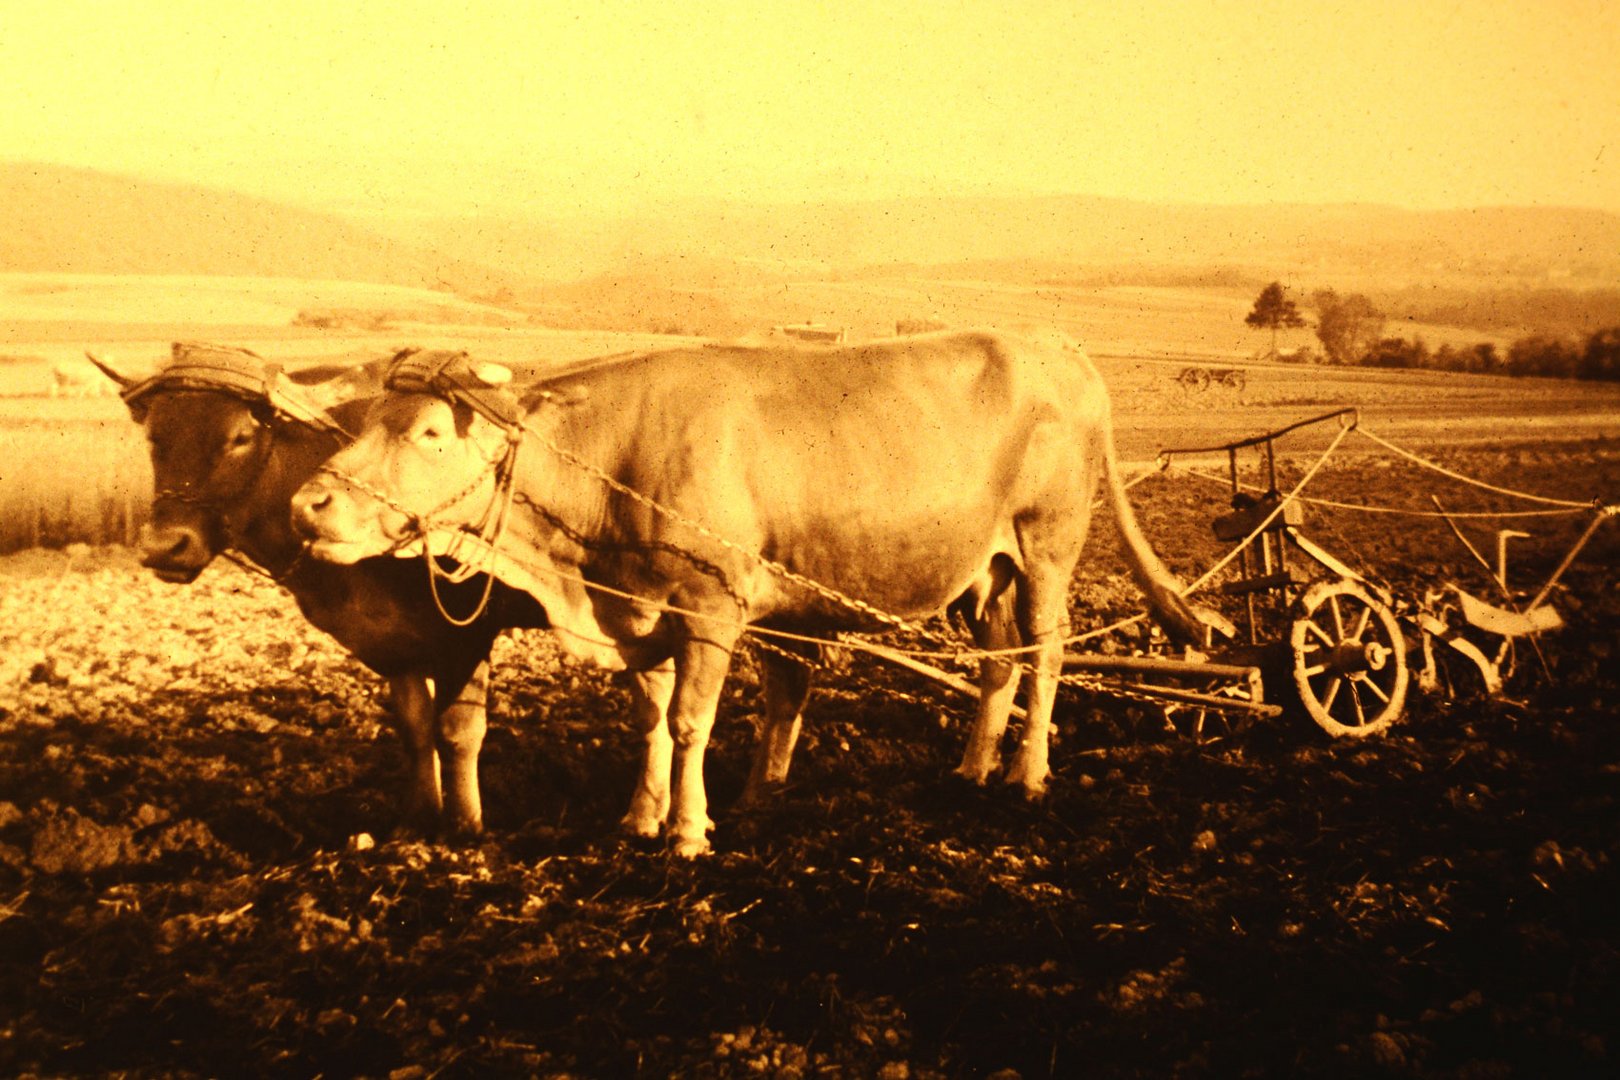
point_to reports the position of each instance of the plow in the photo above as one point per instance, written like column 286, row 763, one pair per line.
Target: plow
column 1319, row 638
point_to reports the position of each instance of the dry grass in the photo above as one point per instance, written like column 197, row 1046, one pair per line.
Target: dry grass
column 64, row 482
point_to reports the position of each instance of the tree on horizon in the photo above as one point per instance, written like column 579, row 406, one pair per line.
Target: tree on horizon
column 1274, row 310
column 1347, row 326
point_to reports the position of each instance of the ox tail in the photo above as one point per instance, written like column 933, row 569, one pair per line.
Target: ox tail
column 1185, row 622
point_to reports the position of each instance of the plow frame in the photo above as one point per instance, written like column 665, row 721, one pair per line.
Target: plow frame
column 1335, row 643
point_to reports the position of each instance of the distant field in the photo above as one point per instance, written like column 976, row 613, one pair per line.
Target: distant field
column 1124, row 320
column 1421, row 409
column 169, row 298
column 76, row 470
column 49, row 318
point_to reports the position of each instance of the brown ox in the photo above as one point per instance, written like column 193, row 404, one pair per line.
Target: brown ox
column 228, row 451
column 663, row 504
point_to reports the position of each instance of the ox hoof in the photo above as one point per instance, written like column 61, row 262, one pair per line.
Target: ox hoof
column 974, row 775
column 687, row 848
column 1034, row 790
column 646, row 828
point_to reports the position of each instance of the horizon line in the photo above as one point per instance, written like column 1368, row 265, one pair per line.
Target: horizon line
column 631, row 207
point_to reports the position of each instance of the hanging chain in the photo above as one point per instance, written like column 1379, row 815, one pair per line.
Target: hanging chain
column 786, row 573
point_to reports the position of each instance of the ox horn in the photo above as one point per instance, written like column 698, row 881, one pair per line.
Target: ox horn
column 102, row 367
column 308, row 403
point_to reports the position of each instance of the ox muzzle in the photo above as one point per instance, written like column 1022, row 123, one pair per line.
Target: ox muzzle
column 341, row 526
column 176, row 551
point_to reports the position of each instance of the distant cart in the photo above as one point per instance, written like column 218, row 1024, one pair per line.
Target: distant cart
column 1196, row 379
column 817, row 332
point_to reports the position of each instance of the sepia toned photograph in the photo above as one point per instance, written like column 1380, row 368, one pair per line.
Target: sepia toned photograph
column 905, row 541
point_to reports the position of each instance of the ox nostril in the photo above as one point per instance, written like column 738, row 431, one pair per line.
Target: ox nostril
column 169, row 547
column 309, row 506
column 313, row 499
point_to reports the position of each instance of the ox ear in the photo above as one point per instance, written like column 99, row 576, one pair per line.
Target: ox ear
column 492, row 375
column 316, row 398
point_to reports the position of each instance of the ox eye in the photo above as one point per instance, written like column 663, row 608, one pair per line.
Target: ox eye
column 240, row 441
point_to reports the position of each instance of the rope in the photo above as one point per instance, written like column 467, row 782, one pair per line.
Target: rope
column 241, row 559
column 1260, row 528
column 1460, row 478
column 489, row 533
column 955, row 655
column 1164, row 464
column 1332, row 504
column 963, row 657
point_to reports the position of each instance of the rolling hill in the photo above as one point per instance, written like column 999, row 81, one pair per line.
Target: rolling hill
column 83, row 221
column 1349, row 245
column 70, row 220
column 713, row 266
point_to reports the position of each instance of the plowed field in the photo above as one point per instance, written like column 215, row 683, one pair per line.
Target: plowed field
column 199, row 872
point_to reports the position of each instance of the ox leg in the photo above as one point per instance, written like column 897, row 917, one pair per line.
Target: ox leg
column 1042, row 618
column 413, row 721
column 461, row 700
column 995, row 628
column 650, row 692
column 787, row 688
column 701, row 665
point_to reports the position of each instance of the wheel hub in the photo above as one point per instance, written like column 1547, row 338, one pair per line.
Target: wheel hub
column 1353, row 657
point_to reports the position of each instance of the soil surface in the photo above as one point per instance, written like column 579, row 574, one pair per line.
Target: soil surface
column 200, row 872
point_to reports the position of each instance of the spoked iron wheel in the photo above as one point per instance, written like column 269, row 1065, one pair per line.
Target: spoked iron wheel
column 1349, row 659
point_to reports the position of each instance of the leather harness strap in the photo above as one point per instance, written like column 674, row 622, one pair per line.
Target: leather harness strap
column 197, row 366
column 450, row 375
column 228, row 369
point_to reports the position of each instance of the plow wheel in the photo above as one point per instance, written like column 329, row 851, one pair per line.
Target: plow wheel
column 1349, row 659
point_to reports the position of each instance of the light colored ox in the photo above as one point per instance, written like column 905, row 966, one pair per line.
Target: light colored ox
column 660, row 506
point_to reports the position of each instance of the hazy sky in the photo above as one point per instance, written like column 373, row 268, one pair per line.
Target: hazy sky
column 569, row 106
